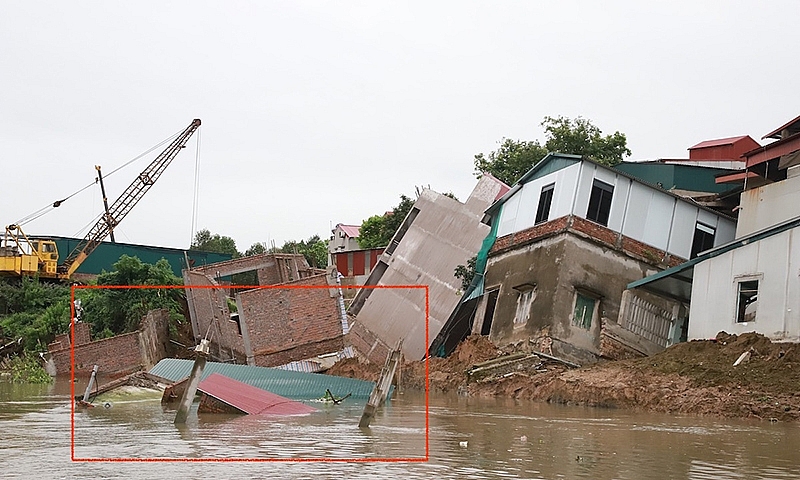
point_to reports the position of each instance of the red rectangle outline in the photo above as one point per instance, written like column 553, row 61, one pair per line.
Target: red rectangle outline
column 252, row 460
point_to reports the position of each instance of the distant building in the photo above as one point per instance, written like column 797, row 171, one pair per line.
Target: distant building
column 438, row 234
column 570, row 235
column 355, row 265
column 109, row 253
column 752, row 282
column 344, row 238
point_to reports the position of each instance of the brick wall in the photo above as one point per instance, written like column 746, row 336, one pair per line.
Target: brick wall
column 288, row 324
column 208, row 308
column 115, row 356
column 82, row 333
column 120, row 355
column 531, row 234
column 367, row 344
column 591, row 230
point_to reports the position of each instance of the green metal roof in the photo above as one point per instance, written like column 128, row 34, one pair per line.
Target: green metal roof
column 108, row 253
column 294, row 385
column 683, row 177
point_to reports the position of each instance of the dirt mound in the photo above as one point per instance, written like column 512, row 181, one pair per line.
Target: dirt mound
column 689, row 378
column 695, row 377
column 355, row 368
column 449, row 373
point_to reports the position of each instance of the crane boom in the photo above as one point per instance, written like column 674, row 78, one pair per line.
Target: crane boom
column 125, row 202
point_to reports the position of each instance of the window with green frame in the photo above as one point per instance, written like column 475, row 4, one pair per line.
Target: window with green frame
column 584, row 311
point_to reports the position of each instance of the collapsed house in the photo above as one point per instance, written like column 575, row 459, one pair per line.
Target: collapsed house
column 438, row 234
column 565, row 242
column 296, row 316
column 751, row 283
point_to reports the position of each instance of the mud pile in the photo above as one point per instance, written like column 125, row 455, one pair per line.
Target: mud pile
column 695, row 378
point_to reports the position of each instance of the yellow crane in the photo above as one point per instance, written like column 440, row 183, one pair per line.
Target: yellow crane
column 23, row 256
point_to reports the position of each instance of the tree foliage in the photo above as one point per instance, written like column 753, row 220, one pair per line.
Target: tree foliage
column 205, row 241
column 466, row 273
column 563, row 135
column 378, row 230
column 34, row 311
column 113, row 311
column 315, row 250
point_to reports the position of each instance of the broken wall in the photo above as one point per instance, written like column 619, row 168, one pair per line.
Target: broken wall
column 119, row 355
column 292, row 323
column 438, row 234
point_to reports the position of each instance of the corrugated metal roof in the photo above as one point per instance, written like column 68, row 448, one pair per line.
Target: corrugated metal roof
column 718, row 142
column 294, row 385
column 249, row 399
column 351, row 231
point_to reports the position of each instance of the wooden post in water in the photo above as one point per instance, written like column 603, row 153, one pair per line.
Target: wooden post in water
column 381, row 390
column 201, row 352
column 90, row 385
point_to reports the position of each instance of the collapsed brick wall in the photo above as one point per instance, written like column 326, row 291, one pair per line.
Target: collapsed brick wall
column 208, row 308
column 115, row 356
column 289, row 324
column 367, row 344
column 120, row 355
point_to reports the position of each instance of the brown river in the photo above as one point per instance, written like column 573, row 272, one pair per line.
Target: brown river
column 129, row 435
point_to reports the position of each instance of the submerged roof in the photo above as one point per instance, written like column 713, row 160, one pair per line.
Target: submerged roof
column 248, row 399
column 294, row 385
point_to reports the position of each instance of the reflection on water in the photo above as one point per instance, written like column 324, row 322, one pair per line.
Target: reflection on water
column 469, row 438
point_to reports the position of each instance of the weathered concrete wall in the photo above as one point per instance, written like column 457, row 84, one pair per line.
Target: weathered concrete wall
column 289, row 324
column 444, row 233
column 559, row 266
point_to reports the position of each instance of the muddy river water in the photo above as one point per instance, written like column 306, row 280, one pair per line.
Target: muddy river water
column 468, row 438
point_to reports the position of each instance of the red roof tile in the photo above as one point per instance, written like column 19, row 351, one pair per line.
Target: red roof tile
column 248, row 399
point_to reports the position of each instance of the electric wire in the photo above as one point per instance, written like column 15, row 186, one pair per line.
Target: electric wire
column 48, row 208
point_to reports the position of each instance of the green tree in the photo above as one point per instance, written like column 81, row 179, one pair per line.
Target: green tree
column 315, row 250
column 466, row 273
column 113, row 311
column 378, row 230
column 205, row 241
column 563, row 135
column 34, row 311
column 255, row 249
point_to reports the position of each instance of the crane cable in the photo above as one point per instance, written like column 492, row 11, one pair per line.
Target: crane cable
column 46, row 209
column 196, row 193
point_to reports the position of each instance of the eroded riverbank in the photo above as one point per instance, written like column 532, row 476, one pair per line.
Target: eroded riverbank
column 695, row 378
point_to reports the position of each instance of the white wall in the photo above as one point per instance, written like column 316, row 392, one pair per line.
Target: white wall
column 769, row 205
column 775, row 261
column 519, row 212
column 637, row 210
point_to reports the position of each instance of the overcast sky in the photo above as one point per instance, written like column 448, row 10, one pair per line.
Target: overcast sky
column 316, row 113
